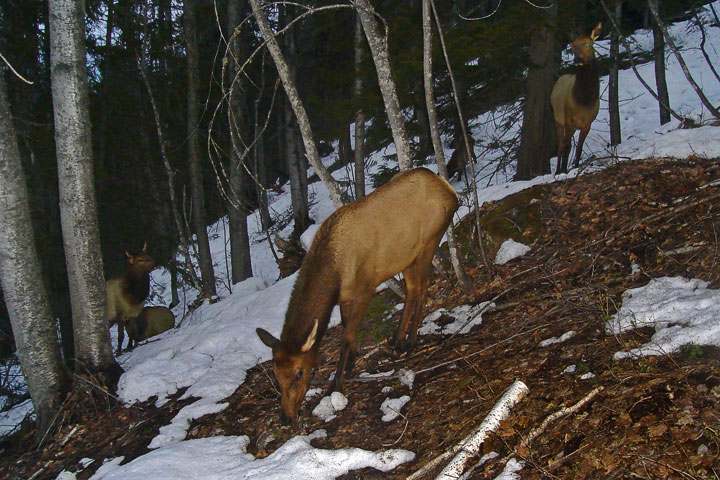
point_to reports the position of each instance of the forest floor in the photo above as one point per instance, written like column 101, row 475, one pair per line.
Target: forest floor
column 655, row 417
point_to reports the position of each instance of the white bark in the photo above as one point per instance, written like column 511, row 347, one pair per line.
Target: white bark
column 435, row 133
column 303, row 120
column 78, row 210
column 378, row 43
column 471, row 445
column 21, row 279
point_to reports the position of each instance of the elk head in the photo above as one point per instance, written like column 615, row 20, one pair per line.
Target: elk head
column 582, row 46
column 140, row 261
column 292, row 367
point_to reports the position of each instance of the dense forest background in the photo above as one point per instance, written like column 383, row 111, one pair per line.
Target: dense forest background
column 488, row 44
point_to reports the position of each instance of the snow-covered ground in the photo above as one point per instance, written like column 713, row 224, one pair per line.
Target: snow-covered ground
column 212, row 348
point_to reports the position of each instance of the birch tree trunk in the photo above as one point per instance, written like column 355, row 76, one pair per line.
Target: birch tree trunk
column 78, row 209
column 359, row 115
column 654, row 9
column 20, row 275
column 435, row 134
column 239, row 240
column 196, row 178
column 660, row 82
column 378, row 43
column 294, row 97
column 613, row 94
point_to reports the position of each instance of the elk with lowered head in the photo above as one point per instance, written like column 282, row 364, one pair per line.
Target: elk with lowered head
column 397, row 228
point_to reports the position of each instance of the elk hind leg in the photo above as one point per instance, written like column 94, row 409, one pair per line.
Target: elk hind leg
column 412, row 290
column 352, row 313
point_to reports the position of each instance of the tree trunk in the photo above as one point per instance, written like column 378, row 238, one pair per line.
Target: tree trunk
column 538, row 129
column 298, row 194
column 78, row 210
column 613, row 95
column 20, row 275
column 237, row 211
column 658, row 22
column 378, row 43
column 359, row 115
column 434, row 125
column 104, row 110
column 183, row 240
column 660, row 82
column 294, row 97
column 196, row 178
column 261, row 173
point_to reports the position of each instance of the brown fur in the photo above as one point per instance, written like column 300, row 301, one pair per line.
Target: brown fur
column 151, row 321
column 575, row 99
column 458, row 159
column 126, row 295
column 397, row 228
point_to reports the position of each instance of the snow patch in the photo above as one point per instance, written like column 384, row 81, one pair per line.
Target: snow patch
column 553, row 340
column 391, row 407
column 682, row 311
column 464, row 318
column 328, row 406
column 509, row 250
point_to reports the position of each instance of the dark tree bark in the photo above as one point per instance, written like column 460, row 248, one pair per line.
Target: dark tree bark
column 613, row 95
column 660, row 82
column 657, row 18
column 196, row 177
column 237, row 210
column 537, row 136
column 25, row 297
column 78, row 210
column 359, row 115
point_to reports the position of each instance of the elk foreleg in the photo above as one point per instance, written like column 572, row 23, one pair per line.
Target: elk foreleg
column 352, row 313
column 581, row 140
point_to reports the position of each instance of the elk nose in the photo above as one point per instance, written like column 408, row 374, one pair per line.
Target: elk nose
column 284, row 419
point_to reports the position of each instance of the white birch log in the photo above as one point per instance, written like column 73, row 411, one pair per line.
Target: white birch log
column 470, row 448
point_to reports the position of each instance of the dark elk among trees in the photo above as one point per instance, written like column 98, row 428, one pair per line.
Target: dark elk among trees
column 149, row 120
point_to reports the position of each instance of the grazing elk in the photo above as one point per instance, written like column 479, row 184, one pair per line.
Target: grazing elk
column 575, row 99
column 459, row 159
column 151, row 321
column 397, row 228
column 126, row 295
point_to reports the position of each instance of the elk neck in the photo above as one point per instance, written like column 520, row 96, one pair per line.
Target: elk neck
column 314, row 295
column 138, row 284
column 586, row 90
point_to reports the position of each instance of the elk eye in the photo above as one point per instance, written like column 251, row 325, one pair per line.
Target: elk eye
column 298, row 375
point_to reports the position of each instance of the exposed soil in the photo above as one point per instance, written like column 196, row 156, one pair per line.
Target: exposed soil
column 656, row 417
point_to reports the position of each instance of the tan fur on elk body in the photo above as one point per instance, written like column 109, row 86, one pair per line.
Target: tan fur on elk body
column 126, row 295
column 151, row 321
column 575, row 99
column 397, row 228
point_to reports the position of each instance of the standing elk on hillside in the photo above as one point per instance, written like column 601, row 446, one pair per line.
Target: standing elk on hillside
column 126, row 295
column 151, row 321
column 397, row 228
column 575, row 99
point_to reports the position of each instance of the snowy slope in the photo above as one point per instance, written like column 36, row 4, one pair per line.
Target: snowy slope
column 212, row 349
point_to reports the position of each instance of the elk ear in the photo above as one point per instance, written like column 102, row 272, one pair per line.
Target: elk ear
column 144, row 247
column 267, row 338
column 128, row 255
column 311, row 338
column 596, row 32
